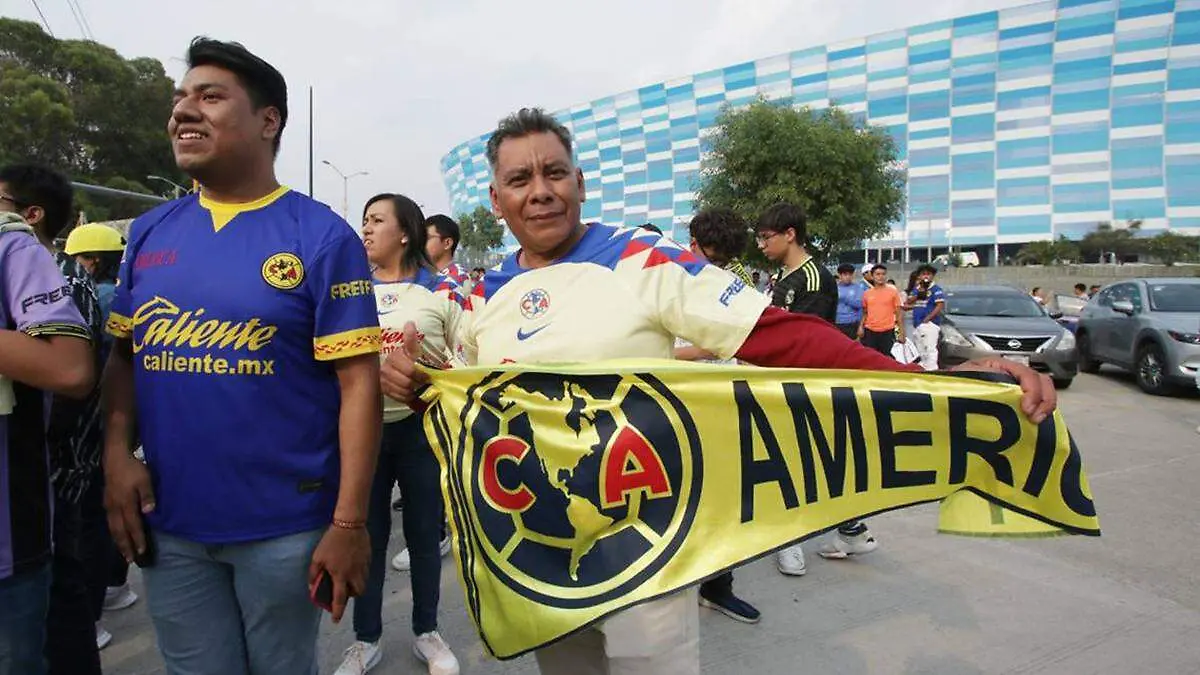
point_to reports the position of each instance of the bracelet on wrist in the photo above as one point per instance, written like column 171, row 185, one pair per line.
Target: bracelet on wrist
column 349, row 524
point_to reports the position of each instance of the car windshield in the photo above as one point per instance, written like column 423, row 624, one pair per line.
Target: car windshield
column 1175, row 297
column 987, row 304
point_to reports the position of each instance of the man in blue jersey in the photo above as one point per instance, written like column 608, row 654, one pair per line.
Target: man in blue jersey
column 578, row 292
column 850, row 301
column 246, row 352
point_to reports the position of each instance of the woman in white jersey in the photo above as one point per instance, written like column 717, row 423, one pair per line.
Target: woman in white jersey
column 406, row 289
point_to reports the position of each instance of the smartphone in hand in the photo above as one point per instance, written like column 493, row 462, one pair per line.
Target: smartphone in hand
column 321, row 592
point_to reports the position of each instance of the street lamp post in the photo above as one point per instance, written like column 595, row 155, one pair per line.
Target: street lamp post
column 179, row 189
column 345, row 186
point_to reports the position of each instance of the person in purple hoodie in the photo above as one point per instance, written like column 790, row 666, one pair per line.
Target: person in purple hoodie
column 45, row 348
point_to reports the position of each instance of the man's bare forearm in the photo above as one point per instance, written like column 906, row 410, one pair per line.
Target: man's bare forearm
column 359, row 426
column 119, row 407
column 60, row 364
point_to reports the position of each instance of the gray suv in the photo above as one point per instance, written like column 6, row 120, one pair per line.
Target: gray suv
column 1150, row 326
column 982, row 321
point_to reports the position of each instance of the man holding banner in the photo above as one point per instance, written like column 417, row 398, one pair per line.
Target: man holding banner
column 583, row 293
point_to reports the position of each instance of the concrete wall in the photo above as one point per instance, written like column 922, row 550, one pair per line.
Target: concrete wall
column 1055, row 279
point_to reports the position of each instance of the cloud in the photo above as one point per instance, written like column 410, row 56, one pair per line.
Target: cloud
column 398, row 84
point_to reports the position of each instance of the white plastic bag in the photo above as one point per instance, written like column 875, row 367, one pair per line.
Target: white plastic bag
column 905, row 352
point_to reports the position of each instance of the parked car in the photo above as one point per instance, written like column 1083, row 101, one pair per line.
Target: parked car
column 965, row 259
column 1149, row 326
column 983, row 321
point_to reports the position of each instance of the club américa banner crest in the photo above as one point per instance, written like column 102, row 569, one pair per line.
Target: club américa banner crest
column 574, row 492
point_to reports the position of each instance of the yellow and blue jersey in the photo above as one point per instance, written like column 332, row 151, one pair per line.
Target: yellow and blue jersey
column 432, row 302
column 235, row 313
column 619, row 293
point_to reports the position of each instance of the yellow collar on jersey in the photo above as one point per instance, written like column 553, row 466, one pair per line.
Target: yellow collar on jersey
column 222, row 213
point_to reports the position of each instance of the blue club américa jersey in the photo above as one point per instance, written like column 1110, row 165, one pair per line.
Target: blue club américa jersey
column 235, row 314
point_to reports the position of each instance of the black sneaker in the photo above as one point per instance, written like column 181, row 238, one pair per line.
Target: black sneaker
column 732, row 606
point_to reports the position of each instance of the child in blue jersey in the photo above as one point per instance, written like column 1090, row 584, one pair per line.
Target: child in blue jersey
column 406, row 289
column 247, row 352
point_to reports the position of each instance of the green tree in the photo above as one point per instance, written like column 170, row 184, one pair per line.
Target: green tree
column 843, row 174
column 1106, row 239
column 1058, row 251
column 480, row 231
column 80, row 107
column 1171, row 247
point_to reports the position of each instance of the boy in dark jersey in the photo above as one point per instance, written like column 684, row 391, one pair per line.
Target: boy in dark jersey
column 805, row 287
column 45, row 347
column 720, row 236
column 75, row 441
column 579, row 293
column 247, row 344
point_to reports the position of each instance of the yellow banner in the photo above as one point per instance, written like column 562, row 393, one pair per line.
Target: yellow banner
column 576, row 491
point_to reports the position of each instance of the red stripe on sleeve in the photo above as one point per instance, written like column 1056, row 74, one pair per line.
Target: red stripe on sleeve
column 782, row 339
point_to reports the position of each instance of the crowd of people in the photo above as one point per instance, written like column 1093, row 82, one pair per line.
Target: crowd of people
column 260, row 383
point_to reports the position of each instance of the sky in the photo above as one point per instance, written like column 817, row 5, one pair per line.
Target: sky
column 397, row 83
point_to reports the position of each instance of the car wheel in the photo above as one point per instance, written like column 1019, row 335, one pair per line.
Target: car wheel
column 1087, row 364
column 1151, row 370
column 1063, row 383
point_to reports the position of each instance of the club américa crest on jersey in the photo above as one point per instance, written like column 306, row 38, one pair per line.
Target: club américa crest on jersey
column 535, row 303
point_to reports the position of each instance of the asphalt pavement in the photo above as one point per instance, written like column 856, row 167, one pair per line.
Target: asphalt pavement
column 1127, row 602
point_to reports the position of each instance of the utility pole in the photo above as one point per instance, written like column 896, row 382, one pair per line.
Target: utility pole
column 310, row 141
column 345, row 187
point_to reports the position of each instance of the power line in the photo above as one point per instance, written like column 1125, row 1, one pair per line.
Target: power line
column 78, row 22
column 44, row 22
column 86, row 24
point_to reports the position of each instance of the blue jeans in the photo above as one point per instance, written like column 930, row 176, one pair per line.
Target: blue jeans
column 24, row 602
column 234, row 609
column 405, row 458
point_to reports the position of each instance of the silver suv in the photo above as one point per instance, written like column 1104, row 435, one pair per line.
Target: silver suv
column 1150, row 326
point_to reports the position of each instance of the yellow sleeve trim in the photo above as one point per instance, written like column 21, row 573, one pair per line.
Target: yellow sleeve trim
column 346, row 344
column 118, row 326
column 64, row 329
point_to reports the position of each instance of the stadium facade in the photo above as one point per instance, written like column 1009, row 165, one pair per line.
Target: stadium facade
column 1015, row 125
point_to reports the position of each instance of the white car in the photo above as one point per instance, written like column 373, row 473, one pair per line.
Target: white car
column 965, row 259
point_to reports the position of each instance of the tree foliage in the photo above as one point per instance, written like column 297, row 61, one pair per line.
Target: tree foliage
column 80, row 107
column 480, row 231
column 1107, row 239
column 1171, row 247
column 843, row 174
column 1055, row 252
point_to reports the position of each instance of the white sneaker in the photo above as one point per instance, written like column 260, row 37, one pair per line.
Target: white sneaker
column 103, row 637
column 841, row 546
column 790, row 561
column 433, row 651
column 118, row 597
column 402, row 563
column 360, row 657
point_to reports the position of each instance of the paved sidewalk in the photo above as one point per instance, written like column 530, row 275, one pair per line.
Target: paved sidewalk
column 1128, row 602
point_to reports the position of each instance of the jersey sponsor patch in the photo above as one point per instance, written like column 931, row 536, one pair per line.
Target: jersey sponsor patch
column 283, row 271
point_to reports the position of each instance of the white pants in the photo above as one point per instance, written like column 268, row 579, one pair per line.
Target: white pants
column 926, row 337
column 658, row 638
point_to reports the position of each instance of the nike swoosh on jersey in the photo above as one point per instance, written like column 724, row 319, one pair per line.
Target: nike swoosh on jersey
column 522, row 335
